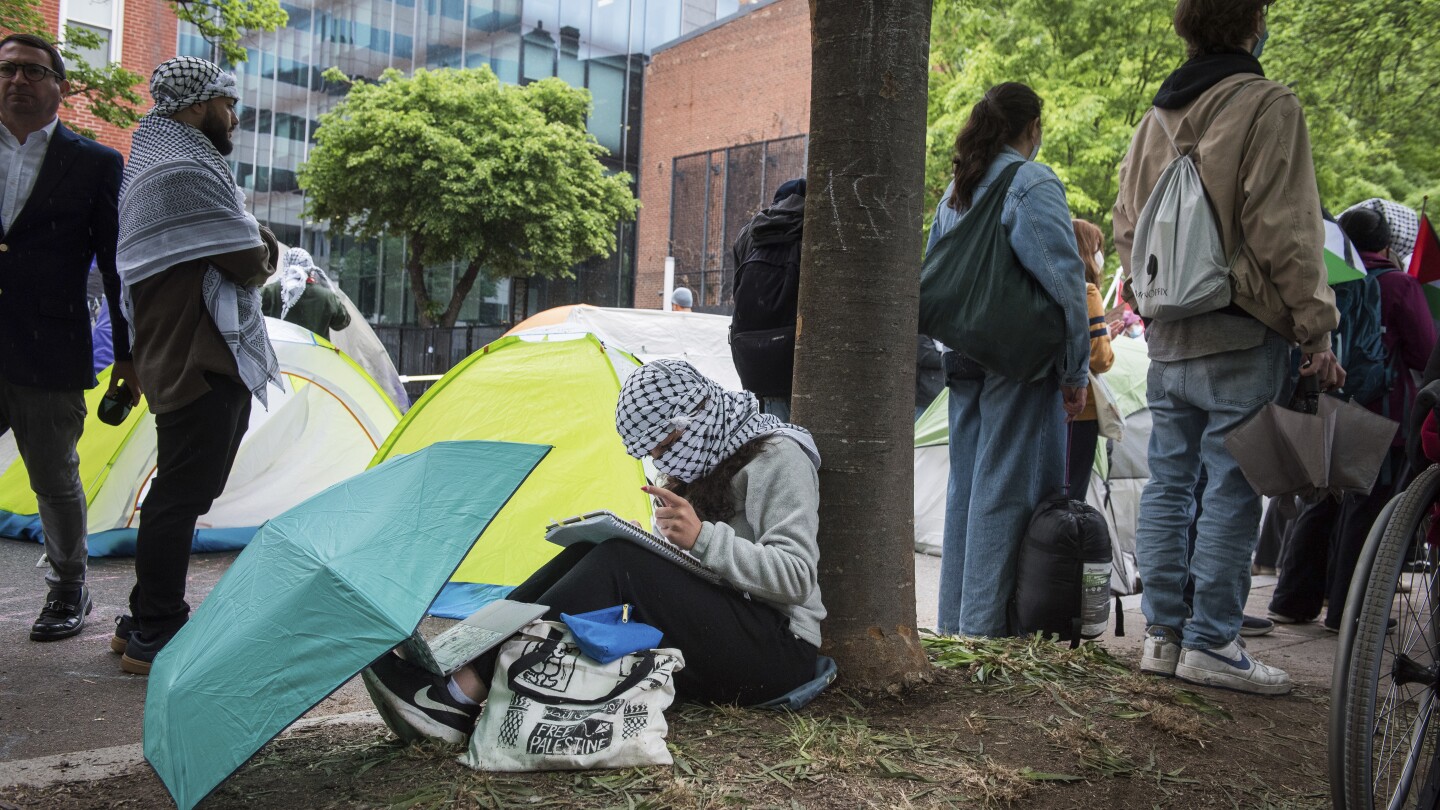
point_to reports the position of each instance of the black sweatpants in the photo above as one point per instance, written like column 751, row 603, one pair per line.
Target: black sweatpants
column 1084, row 436
column 195, row 448
column 1305, row 560
column 737, row 650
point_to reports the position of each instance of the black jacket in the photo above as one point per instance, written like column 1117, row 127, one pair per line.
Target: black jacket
column 68, row 221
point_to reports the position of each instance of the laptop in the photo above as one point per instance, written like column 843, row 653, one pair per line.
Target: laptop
column 468, row 640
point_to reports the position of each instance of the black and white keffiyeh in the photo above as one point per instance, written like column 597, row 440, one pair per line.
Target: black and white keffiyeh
column 668, row 395
column 1403, row 221
column 295, row 270
column 185, row 80
column 178, row 203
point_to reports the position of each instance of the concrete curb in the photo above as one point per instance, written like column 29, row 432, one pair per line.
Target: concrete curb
column 102, row 763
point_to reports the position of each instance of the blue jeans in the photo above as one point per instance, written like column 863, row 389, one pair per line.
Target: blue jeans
column 1007, row 451
column 778, row 407
column 1195, row 404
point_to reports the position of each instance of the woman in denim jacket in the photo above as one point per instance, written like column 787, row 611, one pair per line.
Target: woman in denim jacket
column 1007, row 438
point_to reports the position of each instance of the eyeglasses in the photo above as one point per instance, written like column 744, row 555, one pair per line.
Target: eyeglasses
column 32, row 71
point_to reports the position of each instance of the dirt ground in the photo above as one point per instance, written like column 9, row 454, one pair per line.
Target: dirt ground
column 1007, row 723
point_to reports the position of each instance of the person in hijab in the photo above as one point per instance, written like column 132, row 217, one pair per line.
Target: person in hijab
column 739, row 490
column 191, row 259
column 304, row 296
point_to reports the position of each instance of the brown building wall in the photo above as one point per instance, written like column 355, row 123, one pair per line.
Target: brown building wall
column 148, row 28
column 742, row 82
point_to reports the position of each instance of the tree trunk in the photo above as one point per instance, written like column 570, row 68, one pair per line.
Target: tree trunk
column 419, row 290
column 463, row 286
column 854, row 387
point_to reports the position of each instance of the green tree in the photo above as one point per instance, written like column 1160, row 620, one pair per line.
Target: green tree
column 860, row 265
column 1368, row 75
column 1366, row 71
column 504, row 179
column 108, row 91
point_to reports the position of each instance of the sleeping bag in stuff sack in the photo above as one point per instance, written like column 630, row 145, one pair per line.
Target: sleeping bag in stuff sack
column 1062, row 581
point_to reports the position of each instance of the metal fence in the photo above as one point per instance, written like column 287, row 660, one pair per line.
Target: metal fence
column 712, row 196
column 427, row 351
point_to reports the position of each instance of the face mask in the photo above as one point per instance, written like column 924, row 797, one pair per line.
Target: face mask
column 1260, row 45
column 1135, row 331
column 1035, row 153
column 1100, row 260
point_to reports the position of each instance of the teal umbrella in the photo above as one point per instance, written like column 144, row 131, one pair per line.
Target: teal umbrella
column 322, row 590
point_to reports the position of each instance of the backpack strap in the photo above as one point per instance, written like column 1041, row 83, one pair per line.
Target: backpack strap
column 1226, row 103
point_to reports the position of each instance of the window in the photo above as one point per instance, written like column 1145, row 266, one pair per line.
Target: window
column 98, row 17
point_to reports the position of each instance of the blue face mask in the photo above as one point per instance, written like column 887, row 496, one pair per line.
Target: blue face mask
column 1260, row 45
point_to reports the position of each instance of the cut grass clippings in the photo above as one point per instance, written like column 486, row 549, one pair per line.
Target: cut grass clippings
column 1006, row 723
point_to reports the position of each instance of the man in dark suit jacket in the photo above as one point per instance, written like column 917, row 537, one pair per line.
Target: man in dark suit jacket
column 58, row 198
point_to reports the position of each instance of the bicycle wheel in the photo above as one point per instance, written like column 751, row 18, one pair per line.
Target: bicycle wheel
column 1340, row 675
column 1391, row 756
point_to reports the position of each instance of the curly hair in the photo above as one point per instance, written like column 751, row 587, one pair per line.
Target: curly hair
column 998, row 118
column 710, row 494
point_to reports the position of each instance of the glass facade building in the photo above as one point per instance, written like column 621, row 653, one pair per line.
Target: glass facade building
column 600, row 45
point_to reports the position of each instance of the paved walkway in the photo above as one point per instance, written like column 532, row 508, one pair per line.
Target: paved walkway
column 67, row 712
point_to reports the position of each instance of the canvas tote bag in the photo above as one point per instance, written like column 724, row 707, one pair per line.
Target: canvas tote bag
column 551, row 707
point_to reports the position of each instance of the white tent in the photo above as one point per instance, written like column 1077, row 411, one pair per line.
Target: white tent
column 359, row 341
column 1114, row 488
column 325, row 427
column 649, row 334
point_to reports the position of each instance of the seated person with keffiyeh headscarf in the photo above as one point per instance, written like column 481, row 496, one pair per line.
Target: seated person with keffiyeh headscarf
column 304, row 296
column 191, row 258
column 741, row 492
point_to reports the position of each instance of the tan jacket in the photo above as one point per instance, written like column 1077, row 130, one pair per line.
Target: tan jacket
column 1102, row 357
column 1256, row 166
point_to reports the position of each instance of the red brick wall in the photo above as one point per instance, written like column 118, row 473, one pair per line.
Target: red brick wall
column 149, row 38
column 746, row 81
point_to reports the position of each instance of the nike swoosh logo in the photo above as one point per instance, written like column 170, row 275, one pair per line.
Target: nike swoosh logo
column 1242, row 663
column 426, row 703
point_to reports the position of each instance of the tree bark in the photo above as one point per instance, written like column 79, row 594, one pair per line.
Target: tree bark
column 419, row 290
column 462, row 289
column 859, row 297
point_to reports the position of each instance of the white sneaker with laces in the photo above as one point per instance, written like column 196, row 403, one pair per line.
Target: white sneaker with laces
column 1232, row 667
column 1161, row 651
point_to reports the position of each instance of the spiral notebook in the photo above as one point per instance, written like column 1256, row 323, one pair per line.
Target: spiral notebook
column 597, row 527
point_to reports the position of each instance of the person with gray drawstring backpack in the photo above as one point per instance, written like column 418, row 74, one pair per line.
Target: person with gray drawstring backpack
column 1217, row 359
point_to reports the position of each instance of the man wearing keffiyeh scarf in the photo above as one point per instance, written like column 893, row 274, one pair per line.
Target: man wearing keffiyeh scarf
column 191, row 259
column 305, row 295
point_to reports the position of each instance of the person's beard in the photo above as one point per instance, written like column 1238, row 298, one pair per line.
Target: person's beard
column 217, row 130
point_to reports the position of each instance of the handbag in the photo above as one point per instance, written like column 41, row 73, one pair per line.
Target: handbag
column 1110, row 422
column 551, row 707
column 977, row 299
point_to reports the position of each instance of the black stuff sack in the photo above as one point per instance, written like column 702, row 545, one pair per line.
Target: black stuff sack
column 1062, row 582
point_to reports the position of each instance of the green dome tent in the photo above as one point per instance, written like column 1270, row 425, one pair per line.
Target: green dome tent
column 322, row 429
column 558, row 390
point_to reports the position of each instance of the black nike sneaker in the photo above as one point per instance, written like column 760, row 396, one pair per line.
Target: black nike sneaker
column 416, row 704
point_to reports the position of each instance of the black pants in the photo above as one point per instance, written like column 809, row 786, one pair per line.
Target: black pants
column 1305, row 560
column 1324, row 545
column 1083, row 438
column 195, row 448
column 736, row 650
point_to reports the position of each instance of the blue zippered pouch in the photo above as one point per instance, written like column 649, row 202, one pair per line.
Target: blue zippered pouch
column 610, row 633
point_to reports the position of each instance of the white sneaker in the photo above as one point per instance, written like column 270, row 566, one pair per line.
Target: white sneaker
column 1161, row 651
column 1232, row 667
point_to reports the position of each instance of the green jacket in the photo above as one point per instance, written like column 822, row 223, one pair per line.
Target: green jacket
column 318, row 309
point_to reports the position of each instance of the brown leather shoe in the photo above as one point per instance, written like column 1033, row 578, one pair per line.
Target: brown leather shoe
column 63, row 615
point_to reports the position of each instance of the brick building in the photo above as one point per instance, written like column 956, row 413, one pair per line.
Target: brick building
column 140, row 34
column 725, row 119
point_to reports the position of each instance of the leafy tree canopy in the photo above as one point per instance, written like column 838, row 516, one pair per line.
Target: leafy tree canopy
column 503, row 178
column 109, row 90
column 1367, row 73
